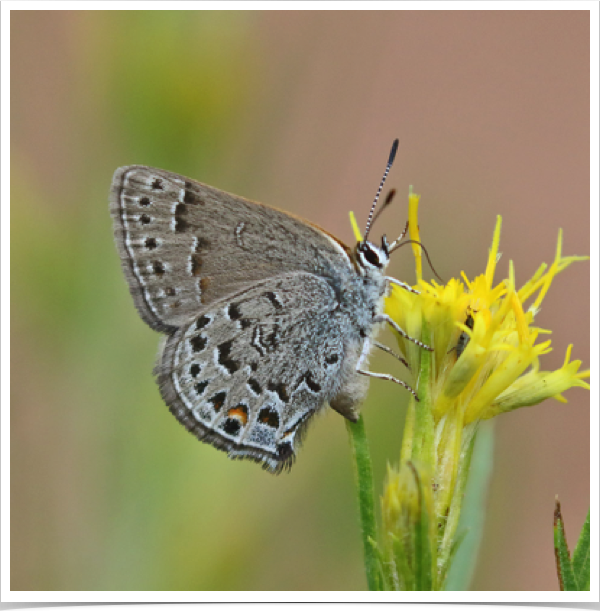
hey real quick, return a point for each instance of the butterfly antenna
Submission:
(387, 171)
(388, 200)
(398, 244)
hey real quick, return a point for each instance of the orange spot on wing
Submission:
(240, 412)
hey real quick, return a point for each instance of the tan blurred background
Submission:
(298, 110)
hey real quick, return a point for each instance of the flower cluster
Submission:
(485, 360)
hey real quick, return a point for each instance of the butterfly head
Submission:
(372, 259)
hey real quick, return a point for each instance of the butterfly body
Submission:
(267, 316)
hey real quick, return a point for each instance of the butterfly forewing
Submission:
(184, 244)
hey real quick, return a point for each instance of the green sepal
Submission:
(387, 579)
(403, 561)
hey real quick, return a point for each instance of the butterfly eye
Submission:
(370, 255)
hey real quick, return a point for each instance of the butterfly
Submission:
(267, 317)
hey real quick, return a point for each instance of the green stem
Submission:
(366, 503)
(423, 444)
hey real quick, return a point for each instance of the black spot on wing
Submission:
(310, 382)
(202, 322)
(190, 197)
(254, 386)
(232, 426)
(198, 343)
(201, 244)
(269, 416)
(281, 391)
(201, 387)
(158, 268)
(272, 297)
(225, 357)
(218, 400)
(195, 264)
(181, 225)
(233, 311)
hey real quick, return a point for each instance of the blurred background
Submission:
(297, 110)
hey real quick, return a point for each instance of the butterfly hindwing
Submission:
(250, 371)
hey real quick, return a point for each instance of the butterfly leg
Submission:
(387, 376)
(390, 351)
(381, 376)
(402, 285)
(404, 334)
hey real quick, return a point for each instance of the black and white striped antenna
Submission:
(385, 174)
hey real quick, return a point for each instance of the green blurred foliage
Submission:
(108, 490)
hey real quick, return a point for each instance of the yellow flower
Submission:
(483, 338)
(485, 360)
(485, 357)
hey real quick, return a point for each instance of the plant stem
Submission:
(364, 483)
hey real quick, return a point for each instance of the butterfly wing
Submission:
(248, 373)
(184, 245)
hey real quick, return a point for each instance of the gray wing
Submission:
(251, 370)
(183, 245)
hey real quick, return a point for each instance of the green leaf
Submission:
(564, 568)
(581, 557)
(458, 539)
(463, 554)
